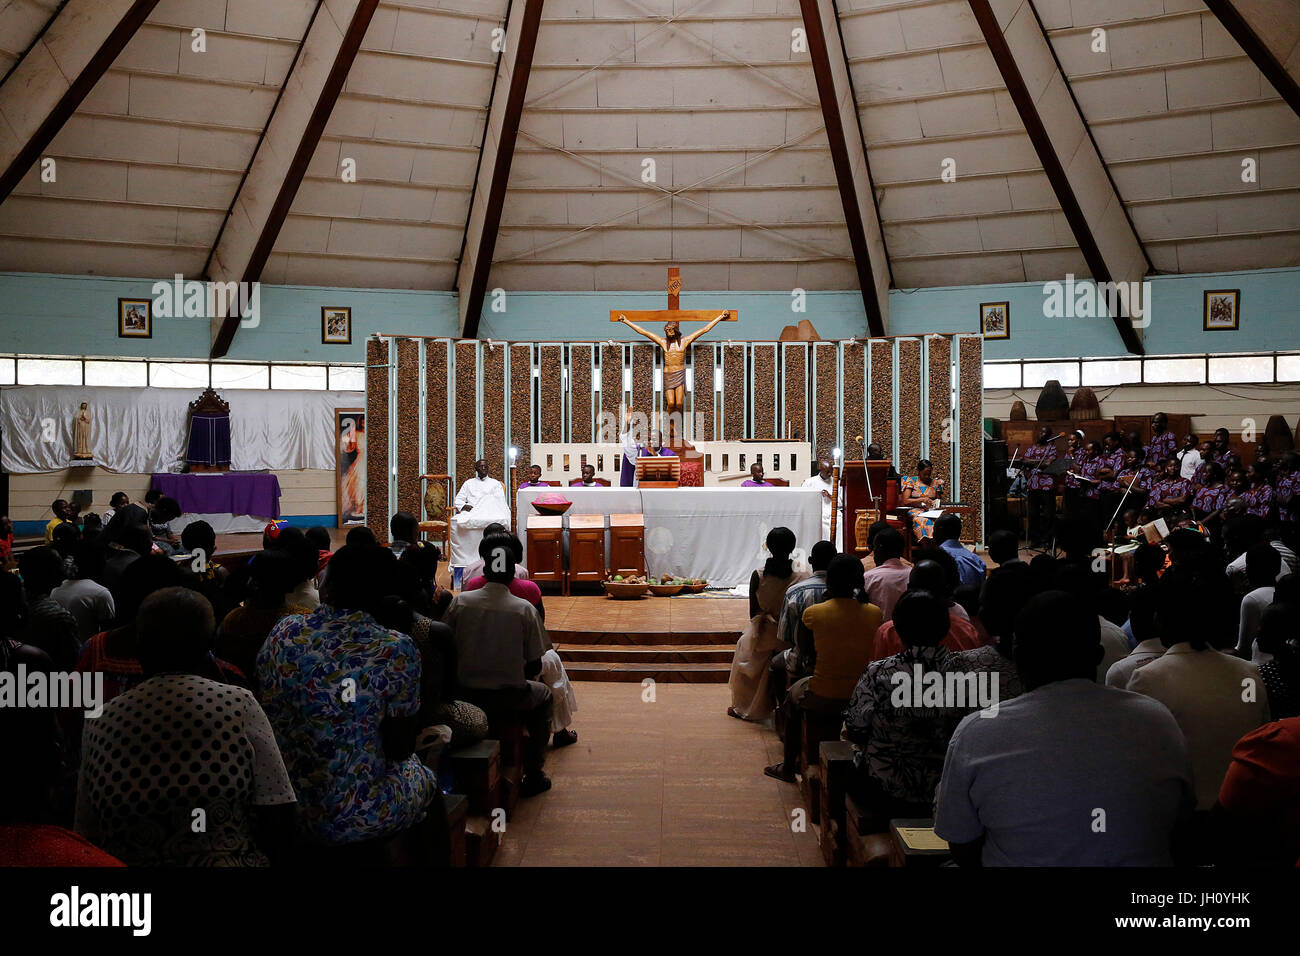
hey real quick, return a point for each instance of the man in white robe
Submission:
(823, 483)
(480, 502)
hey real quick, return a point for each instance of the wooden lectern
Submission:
(868, 496)
(659, 471)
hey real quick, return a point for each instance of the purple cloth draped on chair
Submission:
(209, 442)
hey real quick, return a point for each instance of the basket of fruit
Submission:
(667, 586)
(552, 504)
(625, 586)
(695, 586)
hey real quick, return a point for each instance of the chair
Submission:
(438, 510)
(779, 482)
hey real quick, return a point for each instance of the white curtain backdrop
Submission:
(142, 430)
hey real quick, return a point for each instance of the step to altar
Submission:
(679, 641)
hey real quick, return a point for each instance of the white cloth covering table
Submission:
(711, 533)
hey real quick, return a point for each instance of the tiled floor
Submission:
(673, 782)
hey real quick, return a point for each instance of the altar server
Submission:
(822, 482)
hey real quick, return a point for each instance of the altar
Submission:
(711, 533)
(229, 501)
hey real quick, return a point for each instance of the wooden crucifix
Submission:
(674, 345)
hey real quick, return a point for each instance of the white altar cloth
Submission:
(711, 533)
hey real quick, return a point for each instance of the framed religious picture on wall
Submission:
(1221, 310)
(350, 465)
(335, 326)
(995, 320)
(134, 319)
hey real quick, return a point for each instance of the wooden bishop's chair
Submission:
(438, 510)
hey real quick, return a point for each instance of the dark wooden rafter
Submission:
(493, 176)
(854, 191)
(1051, 162)
(1254, 47)
(346, 54)
(78, 89)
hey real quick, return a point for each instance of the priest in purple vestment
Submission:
(632, 450)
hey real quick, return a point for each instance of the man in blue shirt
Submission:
(970, 566)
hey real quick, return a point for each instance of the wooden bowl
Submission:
(665, 590)
(623, 591)
(552, 509)
(694, 588)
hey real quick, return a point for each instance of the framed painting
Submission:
(134, 319)
(995, 320)
(335, 326)
(1221, 310)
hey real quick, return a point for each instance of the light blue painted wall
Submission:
(76, 315)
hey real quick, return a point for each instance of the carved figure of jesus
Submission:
(674, 346)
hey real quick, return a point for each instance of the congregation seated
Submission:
(750, 673)
(936, 575)
(137, 801)
(885, 582)
(475, 570)
(842, 630)
(1201, 687)
(499, 646)
(303, 561)
(403, 531)
(244, 630)
(48, 626)
(552, 673)
(899, 737)
(1006, 591)
(199, 564)
(799, 653)
(342, 693)
(1134, 765)
(971, 569)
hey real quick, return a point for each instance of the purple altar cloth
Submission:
(221, 494)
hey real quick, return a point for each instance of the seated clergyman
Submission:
(755, 479)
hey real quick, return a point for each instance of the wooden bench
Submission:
(481, 841)
(836, 767)
(814, 728)
(457, 805)
(862, 847)
(477, 769)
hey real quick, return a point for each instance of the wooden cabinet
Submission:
(586, 549)
(627, 544)
(546, 548)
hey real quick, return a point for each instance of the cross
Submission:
(674, 312)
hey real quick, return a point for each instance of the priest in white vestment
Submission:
(822, 482)
(480, 502)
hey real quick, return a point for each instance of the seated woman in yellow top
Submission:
(920, 494)
(843, 629)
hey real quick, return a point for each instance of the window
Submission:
(1174, 370)
(1241, 368)
(1288, 368)
(1002, 375)
(49, 371)
(299, 376)
(178, 374)
(1119, 372)
(1038, 374)
(121, 374)
(347, 379)
(233, 375)
(7, 374)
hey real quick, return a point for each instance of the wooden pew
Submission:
(836, 767)
(457, 805)
(477, 769)
(902, 851)
(862, 847)
(814, 728)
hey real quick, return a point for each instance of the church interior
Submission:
(687, 359)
